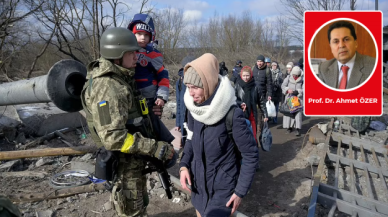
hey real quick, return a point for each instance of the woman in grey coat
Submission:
(293, 85)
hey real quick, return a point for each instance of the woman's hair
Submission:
(246, 69)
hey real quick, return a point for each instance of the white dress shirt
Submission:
(349, 64)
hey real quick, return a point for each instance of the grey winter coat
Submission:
(298, 85)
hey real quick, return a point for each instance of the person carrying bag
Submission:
(292, 107)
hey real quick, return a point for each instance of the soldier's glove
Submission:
(158, 110)
(295, 93)
(164, 151)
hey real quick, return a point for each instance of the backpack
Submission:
(266, 140)
(229, 129)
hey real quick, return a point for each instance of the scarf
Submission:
(223, 99)
(296, 77)
(247, 88)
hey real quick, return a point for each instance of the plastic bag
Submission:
(271, 110)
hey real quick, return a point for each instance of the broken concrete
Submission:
(43, 161)
(46, 213)
(314, 159)
(44, 118)
(10, 117)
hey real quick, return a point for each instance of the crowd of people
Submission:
(123, 98)
(210, 167)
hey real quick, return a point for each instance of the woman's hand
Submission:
(184, 175)
(265, 119)
(177, 129)
(236, 200)
(243, 106)
(290, 91)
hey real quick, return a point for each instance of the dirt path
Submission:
(280, 188)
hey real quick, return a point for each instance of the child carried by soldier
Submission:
(150, 75)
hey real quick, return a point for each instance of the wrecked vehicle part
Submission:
(62, 85)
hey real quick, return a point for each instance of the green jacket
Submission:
(110, 105)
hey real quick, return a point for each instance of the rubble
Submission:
(75, 165)
(8, 165)
(46, 213)
(43, 161)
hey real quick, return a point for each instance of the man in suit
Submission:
(348, 68)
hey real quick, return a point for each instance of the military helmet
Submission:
(116, 41)
(267, 60)
(238, 62)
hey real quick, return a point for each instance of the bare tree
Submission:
(12, 18)
(296, 9)
(80, 23)
(353, 4)
(169, 25)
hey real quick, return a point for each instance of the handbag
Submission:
(285, 110)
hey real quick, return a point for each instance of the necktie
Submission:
(344, 78)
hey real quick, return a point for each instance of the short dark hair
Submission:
(341, 24)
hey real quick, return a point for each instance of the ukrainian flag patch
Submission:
(101, 104)
(104, 113)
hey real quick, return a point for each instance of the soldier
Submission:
(268, 62)
(118, 120)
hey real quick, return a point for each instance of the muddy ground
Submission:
(280, 188)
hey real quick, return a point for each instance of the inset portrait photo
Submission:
(343, 54)
(343, 63)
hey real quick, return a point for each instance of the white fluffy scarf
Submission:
(223, 99)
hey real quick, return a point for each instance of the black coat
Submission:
(236, 73)
(263, 80)
(277, 79)
(256, 99)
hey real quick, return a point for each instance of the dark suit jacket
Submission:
(363, 67)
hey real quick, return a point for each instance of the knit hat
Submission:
(192, 77)
(142, 27)
(290, 65)
(208, 70)
(260, 57)
(296, 71)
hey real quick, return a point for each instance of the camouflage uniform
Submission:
(130, 189)
(110, 103)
